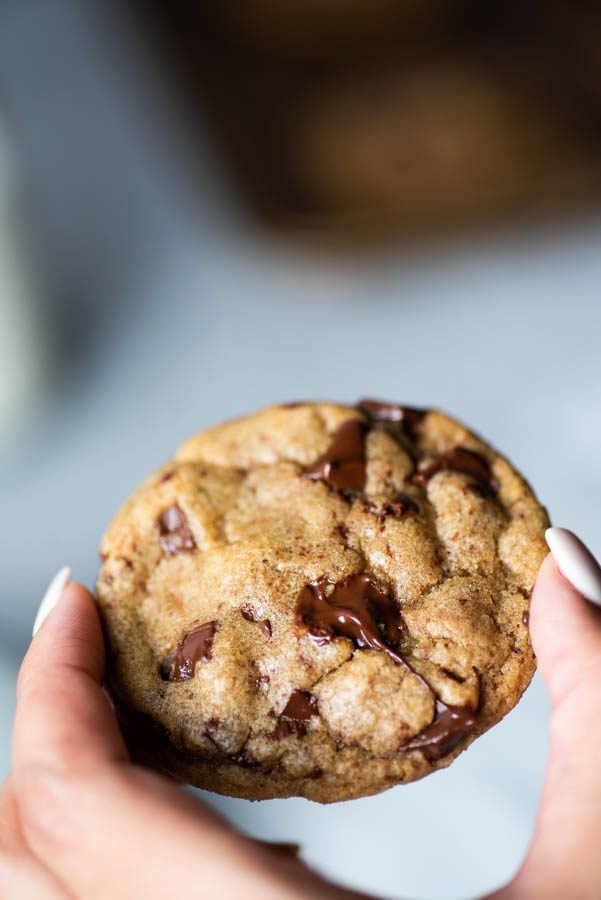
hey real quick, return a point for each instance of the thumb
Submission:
(565, 628)
(563, 860)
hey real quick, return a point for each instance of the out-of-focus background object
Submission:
(168, 306)
(22, 353)
(397, 117)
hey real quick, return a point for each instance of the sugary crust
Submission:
(259, 530)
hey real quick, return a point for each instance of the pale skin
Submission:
(79, 820)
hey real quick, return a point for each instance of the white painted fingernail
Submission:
(575, 562)
(52, 596)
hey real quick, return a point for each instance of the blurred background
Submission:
(206, 208)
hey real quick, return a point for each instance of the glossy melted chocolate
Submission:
(451, 724)
(460, 459)
(357, 608)
(342, 466)
(195, 648)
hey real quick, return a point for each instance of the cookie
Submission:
(320, 600)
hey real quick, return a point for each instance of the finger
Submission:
(63, 718)
(104, 827)
(566, 632)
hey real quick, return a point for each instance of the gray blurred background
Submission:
(141, 299)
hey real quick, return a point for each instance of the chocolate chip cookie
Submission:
(320, 600)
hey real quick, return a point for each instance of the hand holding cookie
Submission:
(78, 819)
(356, 578)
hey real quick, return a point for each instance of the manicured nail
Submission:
(575, 562)
(52, 596)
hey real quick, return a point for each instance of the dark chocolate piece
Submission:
(250, 614)
(408, 418)
(400, 507)
(460, 459)
(526, 618)
(286, 727)
(195, 648)
(174, 532)
(357, 608)
(451, 724)
(342, 466)
(301, 705)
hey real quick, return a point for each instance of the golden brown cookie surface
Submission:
(320, 600)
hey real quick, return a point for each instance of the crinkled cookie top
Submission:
(320, 600)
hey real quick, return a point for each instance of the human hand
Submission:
(78, 819)
(564, 860)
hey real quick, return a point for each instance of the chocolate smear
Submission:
(250, 614)
(174, 532)
(360, 609)
(342, 466)
(451, 724)
(357, 608)
(460, 459)
(195, 648)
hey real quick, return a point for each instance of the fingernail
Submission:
(575, 562)
(52, 596)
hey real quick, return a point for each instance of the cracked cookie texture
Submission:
(320, 600)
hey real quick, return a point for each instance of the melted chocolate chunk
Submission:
(195, 648)
(299, 709)
(342, 466)
(526, 618)
(174, 532)
(301, 705)
(451, 724)
(250, 614)
(407, 418)
(400, 507)
(460, 459)
(357, 608)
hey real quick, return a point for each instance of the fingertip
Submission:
(576, 562)
(69, 630)
(53, 594)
